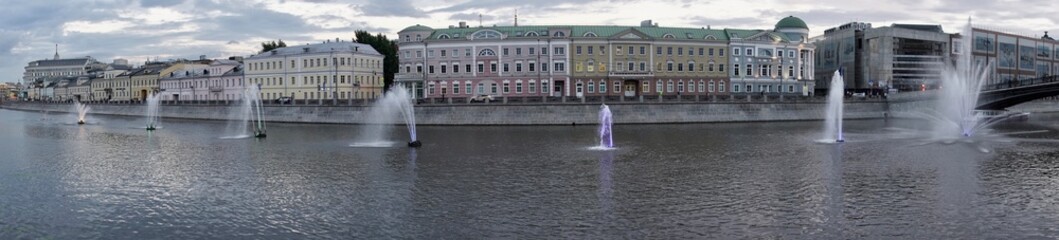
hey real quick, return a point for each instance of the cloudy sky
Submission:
(167, 29)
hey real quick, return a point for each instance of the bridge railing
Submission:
(1021, 83)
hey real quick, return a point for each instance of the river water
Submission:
(110, 180)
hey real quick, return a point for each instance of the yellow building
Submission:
(330, 70)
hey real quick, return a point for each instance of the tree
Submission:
(269, 46)
(387, 48)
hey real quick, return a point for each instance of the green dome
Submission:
(791, 22)
(417, 28)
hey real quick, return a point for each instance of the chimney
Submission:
(645, 23)
(463, 24)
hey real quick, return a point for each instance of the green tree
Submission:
(269, 46)
(386, 47)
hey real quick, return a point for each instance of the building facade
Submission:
(905, 57)
(329, 70)
(463, 61)
(1012, 58)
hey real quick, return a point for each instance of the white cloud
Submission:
(106, 26)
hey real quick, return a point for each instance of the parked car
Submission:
(482, 98)
(283, 100)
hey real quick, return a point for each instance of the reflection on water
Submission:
(755, 180)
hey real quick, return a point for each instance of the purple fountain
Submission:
(606, 137)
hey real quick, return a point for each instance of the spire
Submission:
(56, 51)
(516, 17)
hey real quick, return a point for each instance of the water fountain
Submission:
(959, 88)
(606, 136)
(248, 112)
(82, 110)
(152, 111)
(381, 117)
(833, 119)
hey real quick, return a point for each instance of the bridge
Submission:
(1003, 95)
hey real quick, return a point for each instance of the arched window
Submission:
(721, 86)
(668, 36)
(691, 86)
(443, 36)
(486, 52)
(669, 86)
(532, 34)
(486, 34)
(710, 37)
(407, 38)
(591, 86)
(658, 86)
(691, 66)
(712, 88)
(419, 37)
(680, 86)
(559, 34)
(590, 34)
(603, 86)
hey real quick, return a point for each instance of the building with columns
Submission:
(329, 70)
(561, 60)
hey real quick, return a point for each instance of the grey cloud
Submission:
(743, 22)
(470, 17)
(390, 8)
(159, 3)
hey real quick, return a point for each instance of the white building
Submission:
(329, 70)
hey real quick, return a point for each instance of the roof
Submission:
(61, 62)
(919, 27)
(320, 47)
(236, 71)
(580, 31)
(791, 22)
(416, 28)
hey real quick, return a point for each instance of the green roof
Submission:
(417, 28)
(791, 22)
(579, 31)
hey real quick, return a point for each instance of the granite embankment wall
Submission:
(506, 114)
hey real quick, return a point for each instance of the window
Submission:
(632, 66)
(669, 86)
(578, 49)
(590, 34)
(507, 88)
(506, 68)
(560, 67)
(691, 86)
(492, 67)
(680, 86)
(456, 68)
(669, 50)
(544, 87)
(486, 52)
(468, 68)
(518, 67)
(591, 86)
(680, 67)
(643, 50)
(721, 86)
(481, 88)
(749, 70)
(645, 87)
(750, 52)
(701, 49)
(790, 88)
(442, 54)
(481, 67)
(720, 67)
(668, 36)
(505, 51)
(532, 67)
(431, 71)
(492, 88)
(558, 50)
(602, 86)
(691, 66)
(518, 87)
(559, 34)
(735, 88)
(430, 89)
(643, 66)
(669, 66)
(736, 72)
(468, 86)
(532, 86)
(658, 86)
(485, 34)
(790, 71)
(443, 67)
(658, 51)
(720, 52)
(711, 86)
(590, 50)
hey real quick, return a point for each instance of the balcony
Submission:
(216, 89)
(631, 74)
